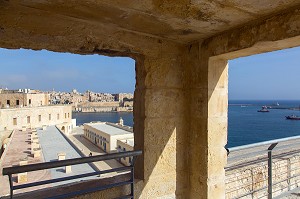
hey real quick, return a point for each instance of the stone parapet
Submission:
(252, 181)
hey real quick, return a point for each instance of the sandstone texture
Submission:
(181, 49)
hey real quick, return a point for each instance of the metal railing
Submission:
(49, 165)
(267, 175)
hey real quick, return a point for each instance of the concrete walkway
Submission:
(293, 194)
(52, 142)
(85, 146)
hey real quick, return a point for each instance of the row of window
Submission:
(15, 122)
(18, 102)
(124, 158)
(98, 140)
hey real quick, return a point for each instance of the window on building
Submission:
(41, 103)
(57, 116)
(29, 101)
(8, 102)
(49, 116)
(65, 115)
(40, 118)
(28, 119)
(17, 102)
(68, 115)
(15, 121)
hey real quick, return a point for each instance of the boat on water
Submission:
(292, 117)
(263, 110)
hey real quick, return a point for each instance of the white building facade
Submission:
(105, 135)
(34, 117)
(125, 145)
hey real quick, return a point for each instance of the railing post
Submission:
(252, 179)
(289, 173)
(271, 147)
(10, 185)
(132, 181)
(132, 177)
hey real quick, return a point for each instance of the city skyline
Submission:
(267, 76)
(46, 70)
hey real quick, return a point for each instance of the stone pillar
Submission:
(160, 126)
(36, 152)
(22, 177)
(68, 169)
(61, 156)
(208, 81)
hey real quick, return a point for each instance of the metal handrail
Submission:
(268, 165)
(49, 165)
(237, 148)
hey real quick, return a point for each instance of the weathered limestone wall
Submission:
(246, 179)
(274, 33)
(160, 125)
(37, 99)
(180, 100)
(7, 116)
(208, 80)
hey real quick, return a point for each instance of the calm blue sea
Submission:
(245, 124)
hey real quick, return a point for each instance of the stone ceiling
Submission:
(181, 21)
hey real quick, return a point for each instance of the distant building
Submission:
(105, 135)
(121, 97)
(34, 117)
(23, 98)
(125, 145)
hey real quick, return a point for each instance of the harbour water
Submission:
(245, 124)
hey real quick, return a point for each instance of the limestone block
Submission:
(68, 169)
(218, 74)
(44, 127)
(218, 103)
(61, 156)
(22, 177)
(24, 128)
(23, 162)
(217, 131)
(164, 72)
(36, 153)
(164, 103)
(198, 101)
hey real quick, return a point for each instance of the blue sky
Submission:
(45, 70)
(274, 75)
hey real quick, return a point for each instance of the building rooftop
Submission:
(129, 141)
(109, 129)
(53, 142)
